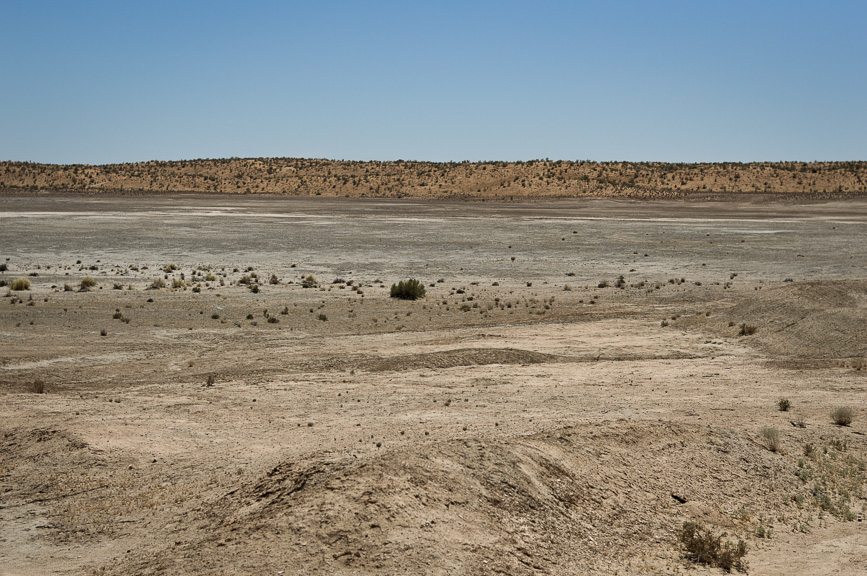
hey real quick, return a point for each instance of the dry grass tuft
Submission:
(771, 439)
(704, 547)
(842, 416)
(20, 284)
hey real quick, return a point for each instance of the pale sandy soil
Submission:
(504, 424)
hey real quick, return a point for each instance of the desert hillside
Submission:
(452, 180)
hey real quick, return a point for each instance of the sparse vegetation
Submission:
(746, 329)
(704, 547)
(158, 284)
(20, 284)
(837, 477)
(783, 404)
(771, 439)
(411, 289)
(842, 416)
(87, 283)
(314, 177)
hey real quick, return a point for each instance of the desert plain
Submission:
(237, 392)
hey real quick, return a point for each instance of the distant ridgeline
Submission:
(447, 180)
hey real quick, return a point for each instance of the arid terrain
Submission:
(235, 392)
(486, 181)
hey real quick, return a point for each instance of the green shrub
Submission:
(705, 548)
(410, 289)
(20, 284)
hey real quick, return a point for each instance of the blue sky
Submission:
(103, 82)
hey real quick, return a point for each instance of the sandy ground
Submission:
(519, 419)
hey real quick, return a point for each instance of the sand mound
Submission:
(813, 320)
(559, 502)
(461, 357)
(429, 360)
(59, 457)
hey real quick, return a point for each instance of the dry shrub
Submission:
(87, 283)
(771, 438)
(20, 284)
(704, 547)
(783, 404)
(38, 387)
(747, 329)
(842, 416)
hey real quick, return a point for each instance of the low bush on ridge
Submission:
(411, 289)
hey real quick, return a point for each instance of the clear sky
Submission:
(103, 82)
